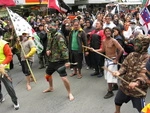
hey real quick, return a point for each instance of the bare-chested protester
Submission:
(113, 50)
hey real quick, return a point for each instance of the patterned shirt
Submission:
(131, 68)
(58, 47)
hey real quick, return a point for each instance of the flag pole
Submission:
(100, 54)
(47, 10)
(60, 10)
(25, 55)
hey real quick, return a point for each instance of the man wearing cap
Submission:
(133, 70)
(136, 28)
(5, 58)
(27, 52)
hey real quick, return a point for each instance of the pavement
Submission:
(88, 92)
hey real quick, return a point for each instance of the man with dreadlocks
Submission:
(133, 70)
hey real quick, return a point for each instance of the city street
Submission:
(88, 92)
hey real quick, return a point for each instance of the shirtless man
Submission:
(113, 50)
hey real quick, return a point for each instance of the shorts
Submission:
(76, 57)
(137, 103)
(54, 66)
(25, 68)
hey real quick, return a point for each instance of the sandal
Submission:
(73, 74)
(48, 90)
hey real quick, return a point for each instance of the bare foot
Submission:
(71, 97)
(79, 76)
(28, 87)
(73, 74)
(31, 79)
(48, 90)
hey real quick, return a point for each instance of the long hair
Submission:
(119, 32)
(108, 29)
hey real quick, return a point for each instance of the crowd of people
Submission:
(71, 38)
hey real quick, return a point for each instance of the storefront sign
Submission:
(28, 2)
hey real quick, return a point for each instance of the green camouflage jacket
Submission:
(12, 43)
(7, 35)
(58, 47)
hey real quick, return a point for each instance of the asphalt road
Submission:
(88, 92)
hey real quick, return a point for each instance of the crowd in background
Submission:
(124, 26)
(77, 37)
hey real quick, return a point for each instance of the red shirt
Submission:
(100, 33)
(8, 54)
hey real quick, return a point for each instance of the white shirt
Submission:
(111, 25)
(94, 23)
(127, 33)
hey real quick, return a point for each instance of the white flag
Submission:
(22, 26)
(115, 10)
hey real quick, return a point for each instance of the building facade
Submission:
(105, 1)
(74, 2)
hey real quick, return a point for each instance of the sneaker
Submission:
(94, 74)
(41, 67)
(16, 107)
(100, 75)
(87, 68)
(108, 95)
(2, 100)
(19, 64)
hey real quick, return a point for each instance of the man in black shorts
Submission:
(133, 70)
(58, 57)
(29, 48)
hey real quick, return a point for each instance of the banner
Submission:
(7, 3)
(28, 2)
(22, 26)
(59, 5)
